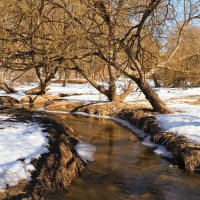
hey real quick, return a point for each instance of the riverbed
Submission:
(124, 168)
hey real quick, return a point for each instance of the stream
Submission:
(124, 169)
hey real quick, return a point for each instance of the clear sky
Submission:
(179, 5)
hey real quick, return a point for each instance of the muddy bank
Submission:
(56, 169)
(8, 101)
(185, 153)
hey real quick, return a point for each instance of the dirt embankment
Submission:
(185, 153)
(54, 170)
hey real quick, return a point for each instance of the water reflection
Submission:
(125, 169)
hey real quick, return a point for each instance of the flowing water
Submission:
(124, 168)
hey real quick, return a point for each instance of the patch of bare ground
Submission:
(8, 101)
(54, 170)
(112, 109)
(39, 99)
(77, 81)
(62, 105)
(196, 102)
(186, 99)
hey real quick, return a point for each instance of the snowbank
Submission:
(181, 124)
(19, 143)
(186, 123)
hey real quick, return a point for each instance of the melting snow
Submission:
(181, 124)
(85, 150)
(161, 150)
(186, 123)
(19, 143)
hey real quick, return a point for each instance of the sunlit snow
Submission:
(19, 143)
(185, 121)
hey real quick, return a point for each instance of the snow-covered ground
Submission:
(19, 143)
(16, 144)
(185, 120)
(20, 91)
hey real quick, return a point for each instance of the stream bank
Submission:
(55, 170)
(185, 154)
(123, 168)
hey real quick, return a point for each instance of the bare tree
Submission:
(122, 25)
(83, 56)
(175, 49)
(183, 69)
(34, 33)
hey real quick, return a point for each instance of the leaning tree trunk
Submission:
(152, 97)
(7, 88)
(110, 93)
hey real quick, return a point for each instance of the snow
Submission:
(85, 150)
(19, 143)
(20, 91)
(56, 88)
(185, 120)
(87, 98)
(147, 142)
(181, 124)
(161, 150)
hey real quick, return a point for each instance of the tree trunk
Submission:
(39, 90)
(152, 97)
(156, 82)
(113, 97)
(112, 94)
(7, 88)
(67, 74)
(43, 88)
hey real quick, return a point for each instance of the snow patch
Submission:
(147, 142)
(85, 150)
(19, 143)
(161, 150)
(181, 124)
